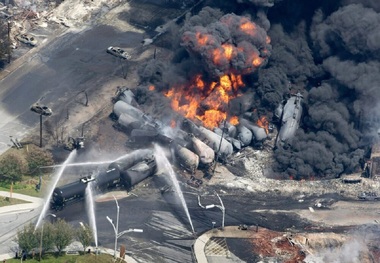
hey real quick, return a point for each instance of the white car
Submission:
(27, 39)
(118, 52)
(41, 109)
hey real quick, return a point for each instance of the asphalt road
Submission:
(168, 235)
(56, 72)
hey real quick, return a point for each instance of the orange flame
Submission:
(263, 123)
(226, 52)
(234, 120)
(209, 102)
(212, 118)
(248, 27)
(151, 88)
(257, 61)
(202, 39)
(173, 124)
(205, 102)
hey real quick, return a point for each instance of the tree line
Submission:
(53, 237)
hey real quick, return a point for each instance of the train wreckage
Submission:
(196, 145)
(290, 119)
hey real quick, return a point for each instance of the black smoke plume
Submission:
(243, 40)
(327, 50)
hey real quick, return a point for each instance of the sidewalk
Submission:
(34, 202)
(228, 232)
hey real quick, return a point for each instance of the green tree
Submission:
(48, 236)
(85, 236)
(27, 238)
(12, 166)
(63, 234)
(38, 157)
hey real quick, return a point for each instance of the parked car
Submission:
(41, 109)
(118, 52)
(368, 196)
(27, 39)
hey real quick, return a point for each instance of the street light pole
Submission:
(42, 231)
(221, 207)
(116, 228)
(40, 130)
(9, 40)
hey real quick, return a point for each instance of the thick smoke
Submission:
(233, 44)
(262, 3)
(328, 51)
(360, 246)
(344, 46)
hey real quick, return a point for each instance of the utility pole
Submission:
(9, 40)
(40, 130)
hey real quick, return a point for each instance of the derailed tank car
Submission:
(127, 170)
(69, 193)
(108, 179)
(138, 172)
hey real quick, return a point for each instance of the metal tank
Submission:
(107, 179)
(258, 132)
(291, 118)
(186, 158)
(121, 107)
(138, 172)
(130, 159)
(68, 193)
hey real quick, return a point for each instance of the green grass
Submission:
(23, 189)
(28, 186)
(86, 258)
(5, 201)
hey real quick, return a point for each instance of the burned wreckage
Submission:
(197, 147)
(290, 116)
(193, 145)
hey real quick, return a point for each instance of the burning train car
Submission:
(127, 171)
(290, 120)
(200, 146)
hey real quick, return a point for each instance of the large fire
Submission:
(263, 123)
(206, 102)
(242, 48)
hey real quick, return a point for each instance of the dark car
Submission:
(118, 52)
(41, 109)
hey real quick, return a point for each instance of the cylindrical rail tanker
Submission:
(127, 170)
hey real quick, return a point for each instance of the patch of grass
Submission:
(23, 187)
(28, 186)
(5, 201)
(53, 258)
